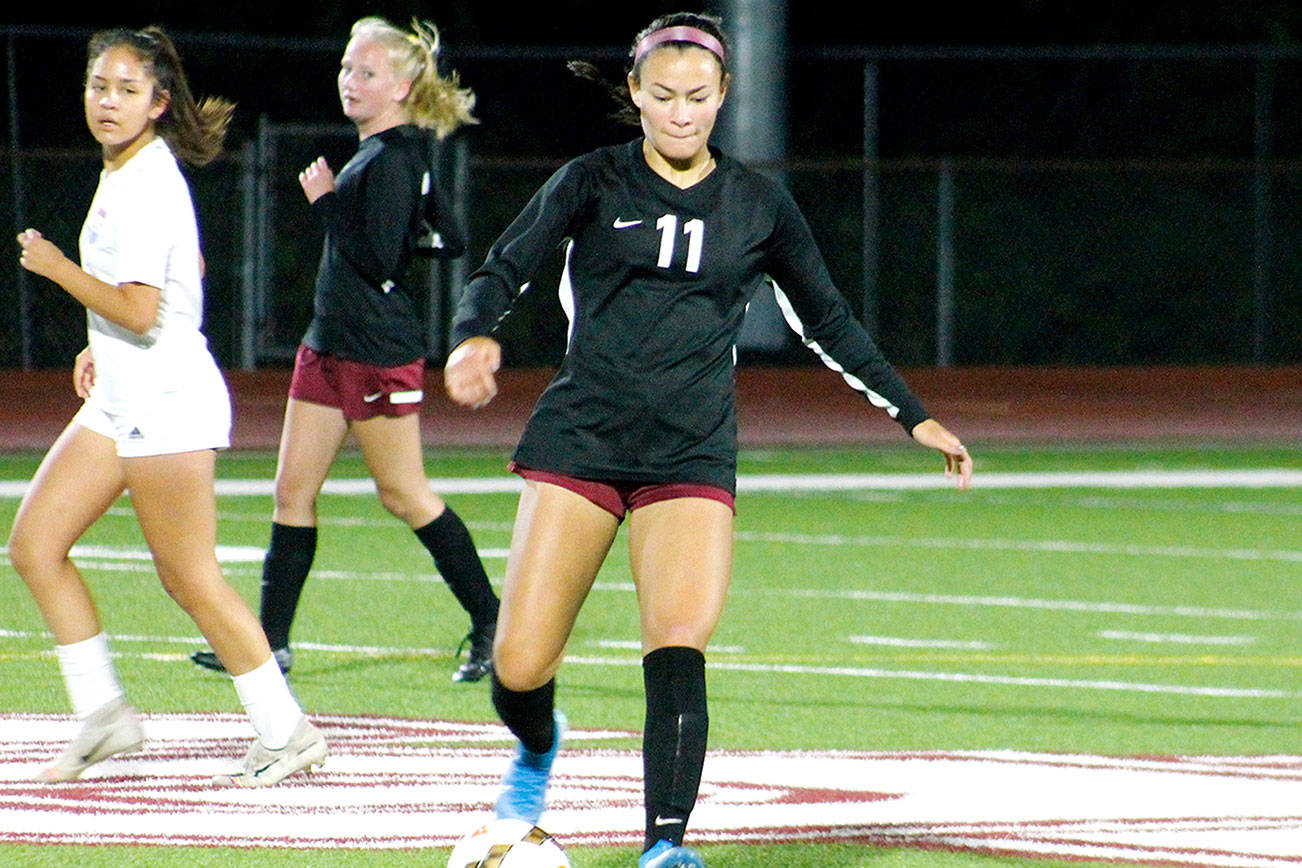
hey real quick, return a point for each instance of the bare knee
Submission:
(20, 553)
(394, 502)
(189, 583)
(30, 556)
(174, 584)
(679, 635)
(408, 505)
(294, 505)
(687, 629)
(519, 670)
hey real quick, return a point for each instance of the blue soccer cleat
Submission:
(665, 855)
(524, 786)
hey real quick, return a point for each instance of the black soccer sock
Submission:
(529, 714)
(673, 742)
(455, 557)
(284, 570)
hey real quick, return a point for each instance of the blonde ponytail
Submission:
(435, 102)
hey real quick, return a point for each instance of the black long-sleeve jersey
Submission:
(364, 307)
(655, 284)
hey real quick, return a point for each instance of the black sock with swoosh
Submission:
(674, 739)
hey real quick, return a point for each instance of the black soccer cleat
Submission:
(208, 660)
(480, 661)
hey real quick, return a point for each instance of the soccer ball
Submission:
(508, 844)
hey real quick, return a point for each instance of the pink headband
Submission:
(694, 35)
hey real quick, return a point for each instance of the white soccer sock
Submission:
(272, 708)
(88, 674)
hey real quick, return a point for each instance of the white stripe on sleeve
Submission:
(793, 321)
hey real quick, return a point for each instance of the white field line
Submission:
(897, 642)
(1112, 479)
(1168, 503)
(868, 673)
(225, 554)
(1097, 607)
(127, 560)
(1279, 478)
(1175, 638)
(196, 641)
(134, 564)
(1010, 680)
(634, 645)
(237, 554)
(141, 565)
(1072, 547)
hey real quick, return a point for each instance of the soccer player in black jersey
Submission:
(360, 368)
(664, 238)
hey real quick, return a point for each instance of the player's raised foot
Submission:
(480, 661)
(112, 729)
(665, 855)
(524, 786)
(208, 660)
(264, 767)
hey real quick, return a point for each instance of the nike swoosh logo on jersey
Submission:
(371, 399)
(624, 224)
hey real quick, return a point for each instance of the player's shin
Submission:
(674, 739)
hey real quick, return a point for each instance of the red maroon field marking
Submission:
(412, 783)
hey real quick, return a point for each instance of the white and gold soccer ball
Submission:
(508, 844)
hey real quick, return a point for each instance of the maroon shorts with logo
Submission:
(361, 391)
(618, 497)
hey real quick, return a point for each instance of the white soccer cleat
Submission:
(264, 767)
(112, 729)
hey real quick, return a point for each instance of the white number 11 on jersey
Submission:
(695, 232)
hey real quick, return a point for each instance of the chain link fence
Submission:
(988, 208)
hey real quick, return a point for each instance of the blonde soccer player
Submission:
(360, 368)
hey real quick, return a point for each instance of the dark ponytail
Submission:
(194, 132)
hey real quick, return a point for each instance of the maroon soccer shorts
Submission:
(619, 498)
(360, 390)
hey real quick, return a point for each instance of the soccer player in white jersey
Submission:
(156, 411)
(665, 238)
